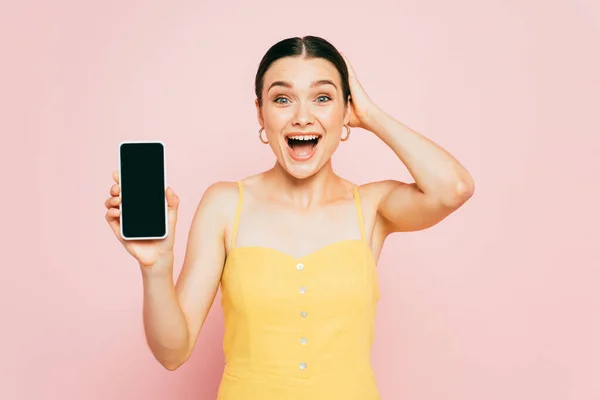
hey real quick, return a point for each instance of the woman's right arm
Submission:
(174, 313)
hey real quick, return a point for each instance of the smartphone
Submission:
(142, 177)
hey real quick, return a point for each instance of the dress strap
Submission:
(238, 212)
(359, 212)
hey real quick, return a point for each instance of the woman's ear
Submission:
(258, 113)
(348, 112)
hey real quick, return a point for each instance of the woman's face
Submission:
(303, 113)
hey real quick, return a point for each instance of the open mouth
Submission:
(302, 147)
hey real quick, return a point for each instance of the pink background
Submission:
(498, 302)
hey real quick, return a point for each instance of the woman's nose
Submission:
(303, 115)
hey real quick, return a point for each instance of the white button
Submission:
(303, 341)
(300, 266)
(302, 290)
(302, 365)
(303, 314)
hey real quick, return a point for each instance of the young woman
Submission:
(294, 248)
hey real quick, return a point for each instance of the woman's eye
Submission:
(283, 100)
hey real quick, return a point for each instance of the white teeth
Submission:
(304, 137)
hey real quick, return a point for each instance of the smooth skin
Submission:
(295, 207)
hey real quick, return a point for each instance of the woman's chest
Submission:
(337, 276)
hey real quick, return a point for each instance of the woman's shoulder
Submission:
(368, 189)
(378, 188)
(219, 197)
(221, 190)
(224, 194)
(372, 193)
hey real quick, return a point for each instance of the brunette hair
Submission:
(308, 47)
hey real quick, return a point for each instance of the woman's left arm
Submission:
(441, 185)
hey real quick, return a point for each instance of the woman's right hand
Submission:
(155, 255)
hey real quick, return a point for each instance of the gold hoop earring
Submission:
(348, 135)
(260, 136)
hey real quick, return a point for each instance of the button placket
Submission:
(302, 300)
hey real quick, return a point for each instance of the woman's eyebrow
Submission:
(319, 82)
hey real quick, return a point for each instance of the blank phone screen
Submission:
(142, 183)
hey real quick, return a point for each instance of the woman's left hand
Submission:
(362, 107)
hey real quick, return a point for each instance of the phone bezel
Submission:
(125, 142)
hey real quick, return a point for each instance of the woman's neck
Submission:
(321, 188)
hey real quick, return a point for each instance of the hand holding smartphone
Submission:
(142, 210)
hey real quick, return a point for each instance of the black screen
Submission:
(142, 190)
